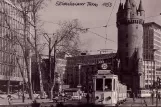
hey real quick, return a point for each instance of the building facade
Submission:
(80, 69)
(130, 20)
(152, 52)
(10, 21)
(59, 72)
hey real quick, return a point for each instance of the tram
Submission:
(107, 89)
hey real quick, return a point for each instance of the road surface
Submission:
(141, 102)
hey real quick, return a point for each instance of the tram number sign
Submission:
(104, 66)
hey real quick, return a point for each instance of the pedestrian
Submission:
(87, 97)
(152, 96)
(9, 99)
(133, 97)
(159, 96)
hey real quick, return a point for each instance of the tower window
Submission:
(126, 35)
(136, 26)
(126, 44)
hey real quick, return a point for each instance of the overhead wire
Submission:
(102, 36)
(96, 27)
(106, 27)
(115, 22)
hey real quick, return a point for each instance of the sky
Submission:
(94, 17)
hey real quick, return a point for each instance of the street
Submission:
(4, 101)
(140, 102)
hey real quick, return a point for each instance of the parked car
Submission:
(76, 97)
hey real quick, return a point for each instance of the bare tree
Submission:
(28, 11)
(66, 41)
(31, 8)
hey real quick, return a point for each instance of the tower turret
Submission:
(127, 5)
(141, 9)
(127, 9)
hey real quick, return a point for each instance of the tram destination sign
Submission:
(104, 72)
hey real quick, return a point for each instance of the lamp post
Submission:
(79, 67)
(79, 84)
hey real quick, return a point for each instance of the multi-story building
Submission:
(80, 69)
(152, 52)
(59, 72)
(10, 51)
(130, 20)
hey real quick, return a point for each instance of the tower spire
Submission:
(140, 6)
(119, 7)
(127, 5)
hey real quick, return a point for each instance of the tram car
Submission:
(107, 89)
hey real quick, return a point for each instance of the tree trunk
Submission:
(40, 77)
(53, 81)
(29, 79)
(51, 91)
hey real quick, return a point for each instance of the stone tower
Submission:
(130, 20)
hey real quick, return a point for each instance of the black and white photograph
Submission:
(80, 53)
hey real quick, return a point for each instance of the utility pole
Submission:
(79, 67)
(79, 84)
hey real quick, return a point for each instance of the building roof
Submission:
(107, 56)
(153, 23)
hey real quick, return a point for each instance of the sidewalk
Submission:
(19, 101)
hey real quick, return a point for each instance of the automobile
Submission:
(60, 99)
(37, 95)
(76, 97)
(68, 96)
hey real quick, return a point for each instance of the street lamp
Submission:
(79, 84)
(79, 70)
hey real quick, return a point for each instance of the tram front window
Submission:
(108, 85)
(99, 84)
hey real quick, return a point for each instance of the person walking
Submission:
(133, 97)
(9, 99)
(87, 97)
(159, 96)
(152, 97)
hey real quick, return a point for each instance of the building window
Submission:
(126, 44)
(126, 35)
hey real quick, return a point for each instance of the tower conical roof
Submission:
(127, 5)
(140, 6)
(119, 7)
